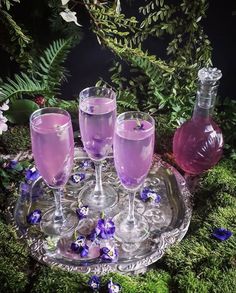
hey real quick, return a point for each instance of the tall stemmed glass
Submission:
(97, 114)
(53, 150)
(133, 152)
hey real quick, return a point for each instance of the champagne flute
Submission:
(133, 152)
(53, 151)
(97, 114)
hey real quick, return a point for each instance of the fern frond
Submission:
(21, 85)
(50, 67)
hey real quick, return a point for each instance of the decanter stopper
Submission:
(209, 75)
(208, 85)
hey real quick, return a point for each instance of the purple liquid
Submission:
(197, 145)
(133, 152)
(97, 121)
(53, 147)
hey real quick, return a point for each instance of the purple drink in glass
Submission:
(97, 121)
(53, 147)
(133, 152)
(53, 151)
(97, 114)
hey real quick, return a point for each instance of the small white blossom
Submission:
(64, 2)
(118, 7)
(5, 106)
(3, 125)
(69, 16)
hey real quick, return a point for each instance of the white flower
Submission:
(118, 7)
(64, 2)
(3, 125)
(5, 106)
(69, 16)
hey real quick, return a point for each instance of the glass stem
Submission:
(130, 218)
(98, 173)
(58, 216)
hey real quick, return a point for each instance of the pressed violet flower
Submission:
(34, 217)
(222, 234)
(77, 177)
(86, 164)
(94, 283)
(82, 212)
(113, 287)
(32, 174)
(105, 229)
(79, 246)
(109, 253)
(12, 164)
(149, 194)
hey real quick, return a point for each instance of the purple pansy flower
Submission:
(105, 229)
(34, 217)
(86, 164)
(149, 194)
(109, 253)
(12, 164)
(93, 237)
(222, 234)
(77, 177)
(32, 174)
(113, 287)
(82, 212)
(94, 282)
(79, 246)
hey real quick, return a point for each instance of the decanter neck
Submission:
(205, 100)
(207, 91)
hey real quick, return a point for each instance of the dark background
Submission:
(88, 61)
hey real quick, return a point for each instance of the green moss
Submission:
(14, 140)
(190, 283)
(51, 280)
(13, 261)
(222, 177)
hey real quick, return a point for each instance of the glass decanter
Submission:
(198, 142)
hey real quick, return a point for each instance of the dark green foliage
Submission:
(14, 140)
(16, 41)
(46, 78)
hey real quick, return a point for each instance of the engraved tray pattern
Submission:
(169, 219)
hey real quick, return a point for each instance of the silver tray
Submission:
(169, 219)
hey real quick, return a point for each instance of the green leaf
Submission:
(20, 111)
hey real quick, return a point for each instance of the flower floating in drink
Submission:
(133, 152)
(97, 114)
(53, 151)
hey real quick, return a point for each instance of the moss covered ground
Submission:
(199, 263)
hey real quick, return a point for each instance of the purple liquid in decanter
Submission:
(198, 143)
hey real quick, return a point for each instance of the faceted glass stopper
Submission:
(209, 74)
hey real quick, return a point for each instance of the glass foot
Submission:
(65, 228)
(98, 202)
(131, 233)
